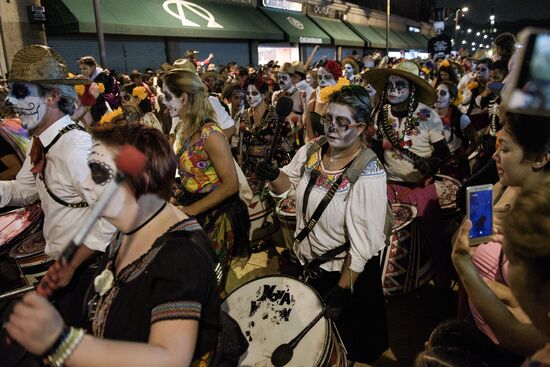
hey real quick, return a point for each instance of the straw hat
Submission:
(40, 64)
(287, 68)
(425, 93)
(299, 68)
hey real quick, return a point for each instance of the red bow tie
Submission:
(38, 158)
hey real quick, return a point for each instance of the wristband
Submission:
(64, 333)
(66, 347)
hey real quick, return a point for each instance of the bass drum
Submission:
(272, 310)
(286, 214)
(17, 224)
(29, 255)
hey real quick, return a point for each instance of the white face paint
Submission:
(172, 103)
(483, 71)
(285, 82)
(398, 89)
(27, 103)
(443, 97)
(103, 171)
(253, 96)
(325, 78)
(341, 128)
(348, 71)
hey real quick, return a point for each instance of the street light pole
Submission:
(464, 10)
(100, 36)
(388, 11)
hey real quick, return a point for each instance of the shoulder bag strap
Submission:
(57, 199)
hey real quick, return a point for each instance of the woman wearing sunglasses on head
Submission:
(349, 233)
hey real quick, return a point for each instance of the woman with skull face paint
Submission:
(327, 76)
(209, 188)
(154, 297)
(460, 134)
(350, 280)
(258, 127)
(411, 143)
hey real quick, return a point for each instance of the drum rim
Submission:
(12, 254)
(278, 209)
(414, 211)
(276, 276)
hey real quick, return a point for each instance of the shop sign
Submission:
(283, 4)
(176, 9)
(314, 40)
(323, 11)
(295, 22)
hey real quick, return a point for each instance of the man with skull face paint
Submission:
(351, 68)
(59, 177)
(411, 143)
(327, 76)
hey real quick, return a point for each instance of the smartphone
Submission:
(528, 91)
(495, 87)
(479, 205)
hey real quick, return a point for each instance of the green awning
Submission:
(338, 31)
(367, 33)
(421, 40)
(413, 42)
(298, 28)
(199, 19)
(396, 41)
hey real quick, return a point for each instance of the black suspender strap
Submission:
(57, 199)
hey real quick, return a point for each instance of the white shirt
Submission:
(223, 119)
(68, 177)
(398, 166)
(305, 87)
(456, 142)
(355, 213)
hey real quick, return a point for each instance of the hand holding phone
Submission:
(479, 204)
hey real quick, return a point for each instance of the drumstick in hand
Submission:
(130, 162)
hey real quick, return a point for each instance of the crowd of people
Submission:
(360, 133)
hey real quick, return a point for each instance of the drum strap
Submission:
(66, 129)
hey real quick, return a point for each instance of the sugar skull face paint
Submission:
(285, 82)
(173, 104)
(443, 97)
(348, 71)
(341, 128)
(325, 78)
(27, 102)
(253, 96)
(398, 89)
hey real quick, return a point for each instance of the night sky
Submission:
(505, 10)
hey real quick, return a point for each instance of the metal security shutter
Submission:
(73, 48)
(123, 54)
(224, 52)
(144, 53)
(328, 52)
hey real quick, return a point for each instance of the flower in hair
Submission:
(100, 88)
(326, 92)
(110, 116)
(473, 85)
(444, 64)
(140, 93)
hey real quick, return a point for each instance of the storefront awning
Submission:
(371, 37)
(415, 43)
(298, 28)
(341, 34)
(169, 18)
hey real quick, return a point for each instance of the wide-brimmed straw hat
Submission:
(41, 64)
(425, 93)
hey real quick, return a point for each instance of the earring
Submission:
(50, 98)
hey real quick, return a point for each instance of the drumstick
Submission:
(283, 109)
(16, 292)
(130, 162)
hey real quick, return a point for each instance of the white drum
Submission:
(272, 311)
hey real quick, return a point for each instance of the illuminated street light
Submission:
(473, 48)
(492, 22)
(465, 9)
(469, 30)
(463, 42)
(481, 45)
(478, 34)
(473, 43)
(484, 36)
(492, 17)
(457, 27)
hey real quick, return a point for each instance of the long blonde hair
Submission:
(197, 110)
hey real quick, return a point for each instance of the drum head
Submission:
(29, 246)
(447, 187)
(273, 310)
(287, 207)
(404, 215)
(17, 222)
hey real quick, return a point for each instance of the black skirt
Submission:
(362, 324)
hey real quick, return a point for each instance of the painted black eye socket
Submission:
(101, 172)
(19, 90)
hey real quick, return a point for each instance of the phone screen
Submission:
(481, 213)
(532, 91)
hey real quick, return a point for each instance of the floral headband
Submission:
(112, 116)
(326, 92)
